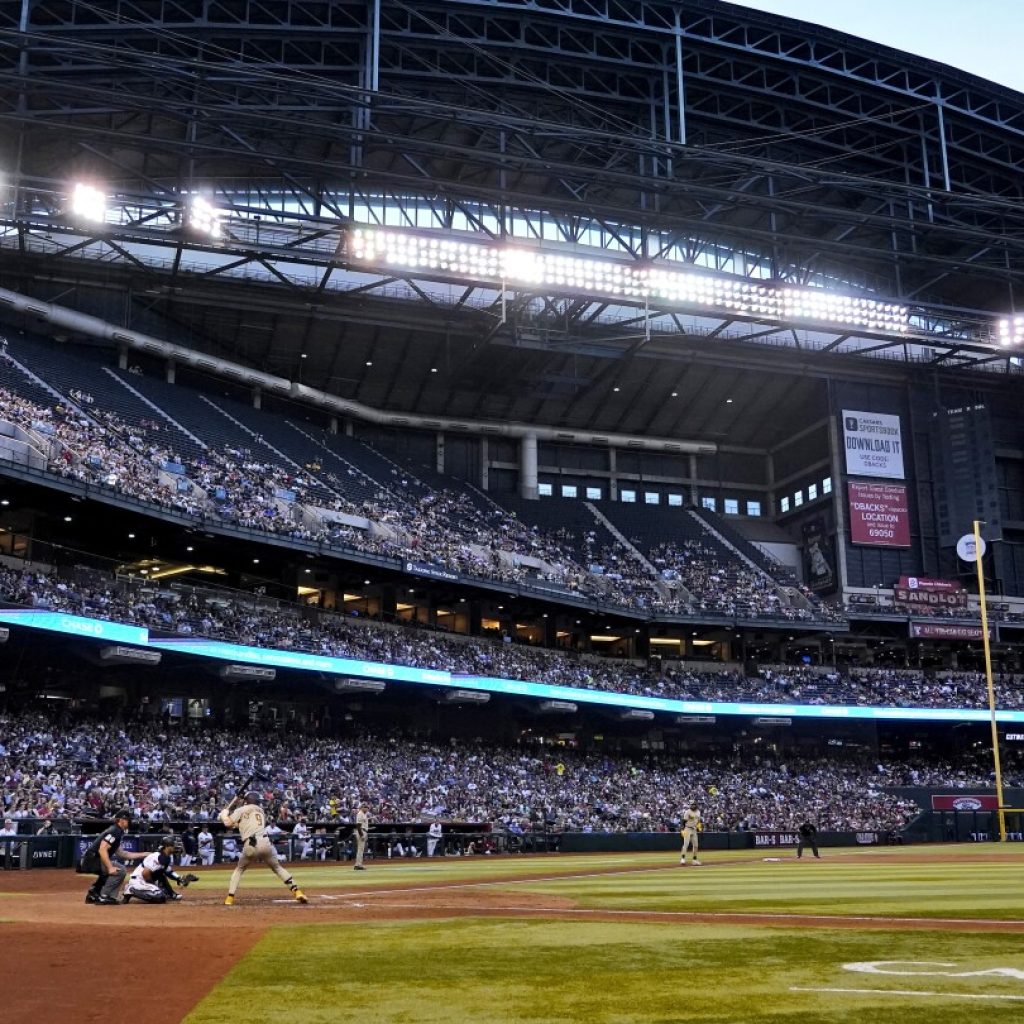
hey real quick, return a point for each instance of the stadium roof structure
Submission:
(236, 146)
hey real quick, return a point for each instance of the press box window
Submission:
(784, 504)
(826, 485)
(798, 498)
(731, 506)
(675, 500)
(544, 490)
(593, 494)
(753, 508)
(628, 496)
(650, 498)
(812, 492)
(569, 491)
(708, 503)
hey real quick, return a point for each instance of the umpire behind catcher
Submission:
(97, 861)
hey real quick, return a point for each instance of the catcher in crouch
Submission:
(248, 817)
(151, 881)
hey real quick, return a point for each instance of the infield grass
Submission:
(497, 971)
(490, 970)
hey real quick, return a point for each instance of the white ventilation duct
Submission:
(69, 319)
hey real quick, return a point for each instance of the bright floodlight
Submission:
(513, 265)
(1011, 331)
(204, 217)
(88, 203)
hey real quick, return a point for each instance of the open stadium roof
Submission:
(698, 135)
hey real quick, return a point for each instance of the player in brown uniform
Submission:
(691, 827)
(360, 833)
(248, 817)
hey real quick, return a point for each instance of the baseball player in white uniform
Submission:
(301, 839)
(206, 847)
(433, 837)
(247, 816)
(150, 882)
(691, 827)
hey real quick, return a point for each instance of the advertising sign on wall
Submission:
(819, 557)
(944, 631)
(964, 802)
(873, 443)
(879, 515)
(916, 594)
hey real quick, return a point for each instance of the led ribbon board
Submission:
(100, 629)
(75, 625)
(223, 651)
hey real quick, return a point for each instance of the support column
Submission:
(528, 467)
(439, 452)
(613, 476)
(485, 482)
(170, 371)
(680, 80)
(332, 426)
(693, 481)
(122, 358)
(257, 398)
(838, 492)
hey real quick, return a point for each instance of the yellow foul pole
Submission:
(988, 678)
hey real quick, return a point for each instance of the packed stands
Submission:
(224, 616)
(70, 767)
(216, 459)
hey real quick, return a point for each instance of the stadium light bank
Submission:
(642, 282)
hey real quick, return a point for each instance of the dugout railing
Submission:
(332, 842)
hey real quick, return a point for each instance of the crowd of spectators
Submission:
(164, 771)
(225, 615)
(442, 527)
(718, 586)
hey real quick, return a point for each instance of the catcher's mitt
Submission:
(186, 880)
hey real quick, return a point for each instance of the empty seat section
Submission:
(81, 375)
(344, 475)
(774, 569)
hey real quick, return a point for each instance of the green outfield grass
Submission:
(627, 971)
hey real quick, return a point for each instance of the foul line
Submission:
(907, 992)
(702, 915)
(695, 914)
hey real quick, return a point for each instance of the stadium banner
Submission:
(819, 556)
(926, 582)
(775, 839)
(929, 596)
(945, 631)
(434, 572)
(879, 515)
(962, 802)
(873, 443)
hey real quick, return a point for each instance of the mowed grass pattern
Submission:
(846, 885)
(625, 971)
